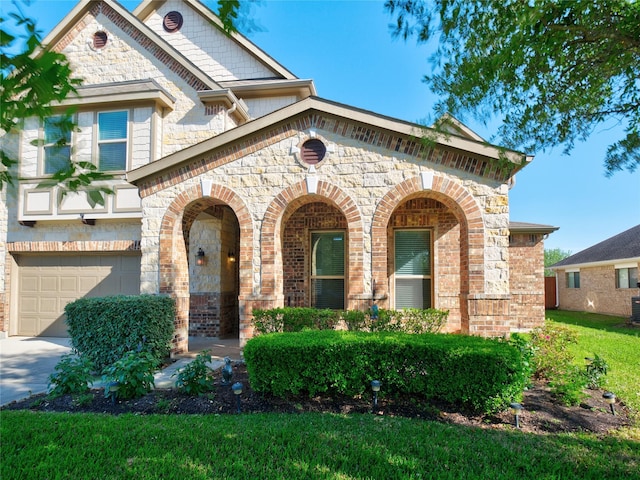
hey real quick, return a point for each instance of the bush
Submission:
(477, 373)
(133, 373)
(569, 385)
(550, 345)
(295, 319)
(103, 329)
(597, 369)
(72, 374)
(195, 377)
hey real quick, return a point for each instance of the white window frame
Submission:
(399, 276)
(571, 275)
(630, 282)
(126, 140)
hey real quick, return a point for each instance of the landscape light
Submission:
(516, 410)
(610, 398)
(237, 390)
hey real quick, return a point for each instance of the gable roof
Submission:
(476, 157)
(623, 246)
(64, 32)
(147, 7)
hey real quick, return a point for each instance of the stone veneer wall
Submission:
(597, 292)
(526, 275)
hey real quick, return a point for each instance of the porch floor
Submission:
(218, 348)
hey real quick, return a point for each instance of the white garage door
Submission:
(47, 283)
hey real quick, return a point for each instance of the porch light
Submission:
(231, 256)
(200, 257)
(375, 387)
(516, 410)
(237, 390)
(610, 398)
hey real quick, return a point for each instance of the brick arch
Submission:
(173, 259)
(281, 208)
(464, 207)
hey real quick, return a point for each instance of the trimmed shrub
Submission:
(103, 329)
(484, 375)
(295, 319)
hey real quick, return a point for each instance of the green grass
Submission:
(316, 446)
(289, 446)
(613, 340)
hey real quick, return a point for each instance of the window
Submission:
(573, 279)
(627, 277)
(112, 140)
(413, 269)
(327, 270)
(57, 144)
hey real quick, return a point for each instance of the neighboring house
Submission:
(238, 188)
(603, 278)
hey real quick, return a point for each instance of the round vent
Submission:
(100, 39)
(172, 21)
(312, 151)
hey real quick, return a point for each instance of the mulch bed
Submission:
(542, 413)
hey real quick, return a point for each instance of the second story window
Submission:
(57, 144)
(112, 140)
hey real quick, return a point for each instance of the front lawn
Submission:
(296, 446)
(614, 340)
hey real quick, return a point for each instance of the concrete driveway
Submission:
(26, 363)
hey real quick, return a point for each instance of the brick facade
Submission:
(597, 292)
(207, 180)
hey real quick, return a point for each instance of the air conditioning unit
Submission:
(635, 309)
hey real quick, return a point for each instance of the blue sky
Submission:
(346, 48)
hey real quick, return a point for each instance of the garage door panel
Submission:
(48, 283)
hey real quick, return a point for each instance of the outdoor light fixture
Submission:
(113, 388)
(375, 386)
(200, 257)
(237, 390)
(231, 255)
(610, 398)
(516, 410)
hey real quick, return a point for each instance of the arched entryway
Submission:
(299, 225)
(207, 295)
(441, 222)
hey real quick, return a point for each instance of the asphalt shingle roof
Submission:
(620, 246)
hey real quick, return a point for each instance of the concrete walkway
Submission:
(27, 362)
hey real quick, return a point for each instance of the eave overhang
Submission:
(312, 105)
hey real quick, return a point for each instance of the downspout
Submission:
(233, 108)
(557, 291)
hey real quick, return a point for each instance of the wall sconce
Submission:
(200, 257)
(231, 256)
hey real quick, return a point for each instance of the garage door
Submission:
(47, 283)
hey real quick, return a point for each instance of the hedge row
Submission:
(103, 329)
(484, 375)
(295, 319)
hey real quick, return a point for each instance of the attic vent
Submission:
(172, 21)
(100, 39)
(312, 151)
